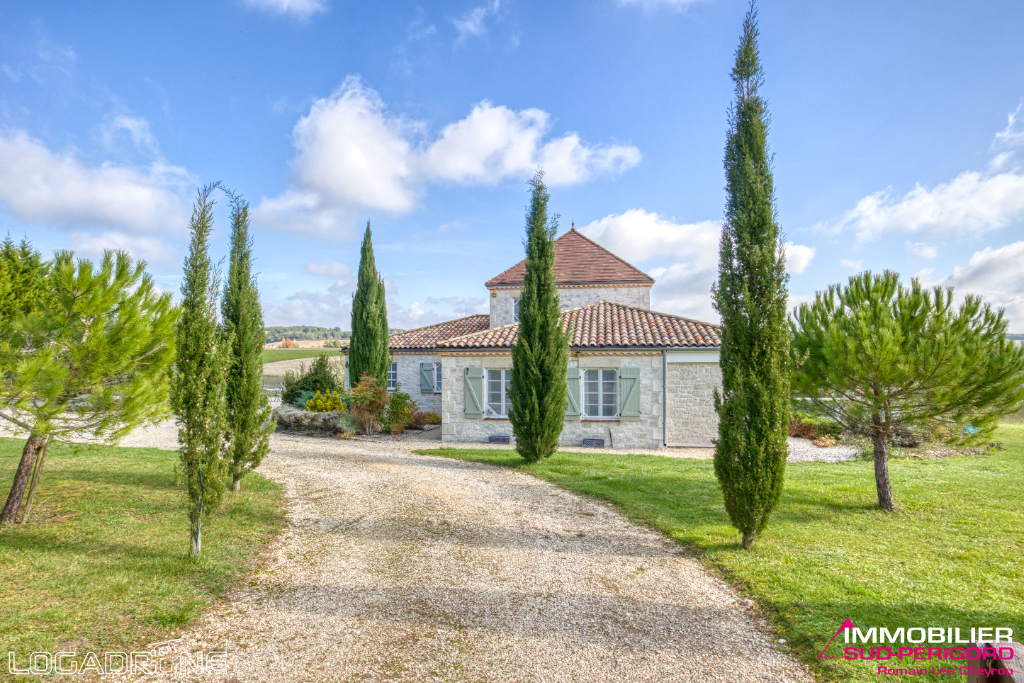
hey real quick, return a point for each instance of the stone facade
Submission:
(692, 420)
(571, 297)
(409, 378)
(644, 433)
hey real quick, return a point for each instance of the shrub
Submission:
(369, 399)
(808, 426)
(287, 343)
(826, 441)
(300, 398)
(330, 402)
(417, 420)
(431, 418)
(321, 375)
(397, 428)
(400, 410)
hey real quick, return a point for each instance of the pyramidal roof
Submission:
(580, 260)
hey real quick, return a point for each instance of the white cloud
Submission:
(142, 247)
(341, 273)
(684, 290)
(54, 189)
(851, 265)
(473, 22)
(301, 9)
(998, 275)
(637, 235)
(922, 250)
(798, 257)
(970, 203)
(462, 305)
(353, 158)
(1013, 134)
(322, 309)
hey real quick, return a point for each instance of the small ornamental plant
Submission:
(369, 399)
(329, 402)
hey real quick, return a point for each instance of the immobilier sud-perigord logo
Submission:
(934, 650)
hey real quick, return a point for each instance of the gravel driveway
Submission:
(402, 567)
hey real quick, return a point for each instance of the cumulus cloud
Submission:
(323, 309)
(55, 189)
(341, 273)
(994, 273)
(352, 157)
(922, 250)
(970, 203)
(142, 247)
(798, 257)
(300, 9)
(462, 305)
(684, 287)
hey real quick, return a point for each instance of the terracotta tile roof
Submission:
(605, 324)
(430, 336)
(580, 260)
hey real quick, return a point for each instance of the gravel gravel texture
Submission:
(402, 567)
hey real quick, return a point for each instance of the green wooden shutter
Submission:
(572, 390)
(629, 394)
(427, 378)
(474, 393)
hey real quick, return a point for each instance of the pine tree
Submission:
(540, 355)
(368, 348)
(750, 296)
(198, 383)
(248, 411)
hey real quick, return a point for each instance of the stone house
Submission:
(636, 379)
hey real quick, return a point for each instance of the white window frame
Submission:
(393, 377)
(515, 310)
(437, 378)
(504, 379)
(602, 393)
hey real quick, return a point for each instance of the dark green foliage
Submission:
(400, 410)
(885, 361)
(199, 381)
(540, 355)
(750, 296)
(300, 398)
(322, 375)
(248, 412)
(368, 349)
(22, 278)
(300, 332)
(811, 426)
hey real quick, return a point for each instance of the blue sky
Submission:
(897, 129)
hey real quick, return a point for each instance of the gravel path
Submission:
(401, 567)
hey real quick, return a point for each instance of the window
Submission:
(515, 310)
(437, 378)
(498, 382)
(393, 377)
(601, 393)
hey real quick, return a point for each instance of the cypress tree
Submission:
(248, 411)
(540, 355)
(750, 296)
(368, 348)
(198, 382)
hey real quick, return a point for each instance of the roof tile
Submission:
(430, 336)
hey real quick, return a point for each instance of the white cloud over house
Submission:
(353, 157)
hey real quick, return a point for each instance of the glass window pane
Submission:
(437, 377)
(591, 393)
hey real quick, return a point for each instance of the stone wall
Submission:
(571, 297)
(409, 378)
(692, 419)
(645, 433)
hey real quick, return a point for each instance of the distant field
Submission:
(274, 355)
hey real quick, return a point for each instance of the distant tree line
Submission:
(303, 332)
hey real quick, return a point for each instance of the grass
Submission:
(102, 563)
(274, 355)
(952, 555)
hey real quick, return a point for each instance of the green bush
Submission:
(809, 426)
(329, 402)
(431, 418)
(300, 398)
(321, 375)
(400, 410)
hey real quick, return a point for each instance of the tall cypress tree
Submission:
(248, 411)
(198, 382)
(368, 347)
(540, 355)
(750, 295)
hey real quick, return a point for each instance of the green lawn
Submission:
(273, 355)
(102, 563)
(952, 555)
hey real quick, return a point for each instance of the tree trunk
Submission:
(885, 499)
(21, 478)
(236, 483)
(748, 540)
(26, 509)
